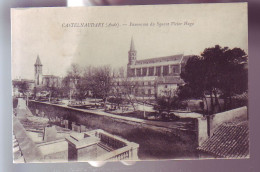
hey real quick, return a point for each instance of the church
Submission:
(153, 77)
(41, 80)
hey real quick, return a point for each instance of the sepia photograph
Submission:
(131, 83)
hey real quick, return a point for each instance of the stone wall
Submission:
(154, 141)
(57, 157)
(202, 130)
(30, 151)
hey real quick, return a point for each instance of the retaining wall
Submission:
(154, 141)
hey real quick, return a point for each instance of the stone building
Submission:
(151, 77)
(44, 80)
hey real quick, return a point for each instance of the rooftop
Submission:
(176, 58)
(230, 140)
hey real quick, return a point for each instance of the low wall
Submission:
(30, 151)
(202, 130)
(154, 141)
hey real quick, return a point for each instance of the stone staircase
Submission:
(17, 153)
(104, 146)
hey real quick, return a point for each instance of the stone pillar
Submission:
(75, 127)
(82, 147)
(50, 134)
(42, 114)
(202, 130)
(66, 123)
(161, 70)
(58, 119)
(83, 128)
(133, 153)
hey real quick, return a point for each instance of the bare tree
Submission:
(128, 88)
(71, 80)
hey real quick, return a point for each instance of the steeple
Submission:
(132, 53)
(38, 71)
(132, 46)
(38, 61)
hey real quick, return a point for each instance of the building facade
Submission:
(154, 76)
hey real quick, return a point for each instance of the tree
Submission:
(71, 80)
(81, 88)
(23, 87)
(100, 82)
(218, 71)
(128, 88)
(166, 101)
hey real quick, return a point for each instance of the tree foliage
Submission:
(22, 86)
(168, 101)
(218, 71)
(80, 81)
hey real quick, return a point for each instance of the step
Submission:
(106, 147)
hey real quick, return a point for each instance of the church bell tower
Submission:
(38, 72)
(132, 53)
(131, 58)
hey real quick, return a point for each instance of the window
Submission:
(138, 72)
(143, 91)
(144, 71)
(132, 72)
(175, 69)
(149, 92)
(151, 71)
(158, 71)
(165, 70)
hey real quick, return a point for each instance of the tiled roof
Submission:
(243, 96)
(161, 59)
(230, 140)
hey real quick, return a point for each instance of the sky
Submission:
(40, 31)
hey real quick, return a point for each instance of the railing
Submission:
(123, 148)
(119, 154)
(113, 142)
